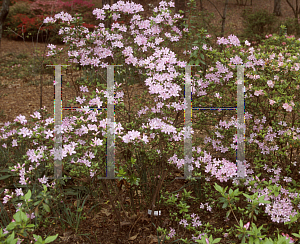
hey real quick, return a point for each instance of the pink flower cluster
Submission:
(287, 237)
(268, 36)
(232, 40)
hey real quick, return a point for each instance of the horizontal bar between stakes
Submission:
(67, 108)
(214, 108)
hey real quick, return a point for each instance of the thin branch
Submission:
(292, 7)
(216, 8)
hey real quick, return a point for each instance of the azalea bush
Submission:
(25, 18)
(153, 137)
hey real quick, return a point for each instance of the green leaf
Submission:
(216, 240)
(218, 188)
(51, 238)
(11, 226)
(28, 195)
(295, 234)
(5, 177)
(38, 238)
(251, 240)
(202, 62)
(30, 226)
(46, 207)
(246, 195)
(24, 217)
(17, 216)
(37, 202)
(11, 239)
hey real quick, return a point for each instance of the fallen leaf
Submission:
(96, 216)
(125, 223)
(133, 238)
(105, 211)
(133, 216)
(153, 238)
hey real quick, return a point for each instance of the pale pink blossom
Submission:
(270, 83)
(247, 225)
(287, 107)
(257, 93)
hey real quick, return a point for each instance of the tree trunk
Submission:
(295, 10)
(3, 14)
(201, 5)
(222, 16)
(277, 7)
(224, 19)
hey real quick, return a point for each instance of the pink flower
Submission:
(288, 237)
(247, 225)
(207, 241)
(272, 101)
(287, 107)
(270, 83)
(283, 43)
(257, 93)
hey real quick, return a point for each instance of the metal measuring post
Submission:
(240, 150)
(57, 124)
(110, 170)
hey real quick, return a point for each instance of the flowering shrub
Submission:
(268, 71)
(26, 18)
(22, 25)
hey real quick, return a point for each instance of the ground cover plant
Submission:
(153, 140)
